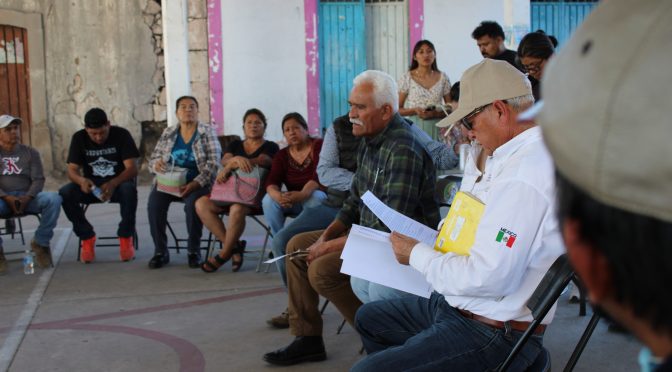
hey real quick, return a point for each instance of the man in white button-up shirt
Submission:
(478, 312)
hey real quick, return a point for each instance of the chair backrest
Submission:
(550, 288)
(547, 293)
(225, 140)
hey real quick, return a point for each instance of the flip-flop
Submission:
(240, 249)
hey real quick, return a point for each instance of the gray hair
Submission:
(385, 89)
(521, 103)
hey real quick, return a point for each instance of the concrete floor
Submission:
(115, 316)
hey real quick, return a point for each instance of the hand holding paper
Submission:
(402, 245)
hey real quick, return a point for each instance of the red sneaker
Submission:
(126, 249)
(88, 253)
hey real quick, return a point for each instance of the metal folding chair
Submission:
(547, 293)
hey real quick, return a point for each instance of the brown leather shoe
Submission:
(42, 255)
(281, 321)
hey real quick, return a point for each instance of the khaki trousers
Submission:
(307, 282)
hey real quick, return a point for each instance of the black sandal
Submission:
(209, 267)
(240, 249)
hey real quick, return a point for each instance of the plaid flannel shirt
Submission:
(396, 167)
(207, 151)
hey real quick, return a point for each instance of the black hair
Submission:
(255, 111)
(536, 44)
(296, 116)
(455, 92)
(177, 103)
(95, 118)
(638, 250)
(416, 48)
(489, 28)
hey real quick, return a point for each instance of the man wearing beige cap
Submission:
(611, 146)
(21, 183)
(477, 311)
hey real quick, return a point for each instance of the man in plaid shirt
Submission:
(394, 165)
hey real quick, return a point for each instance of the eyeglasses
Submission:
(466, 121)
(533, 66)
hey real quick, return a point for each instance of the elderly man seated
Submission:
(478, 312)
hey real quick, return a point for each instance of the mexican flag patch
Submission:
(505, 236)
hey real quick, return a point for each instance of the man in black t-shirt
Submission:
(489, 37)
(102, 167)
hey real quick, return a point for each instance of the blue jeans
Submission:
(312, 218)
(430, 335)
(368, 291)
(48, 205)
(126, 194)
(275, 215)
(157, 212)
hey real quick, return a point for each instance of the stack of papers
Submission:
(368, 253)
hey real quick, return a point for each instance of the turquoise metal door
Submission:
(342, 54)
(559, 18)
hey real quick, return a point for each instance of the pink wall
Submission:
(215, 74)
(312, 67)
(416, 21)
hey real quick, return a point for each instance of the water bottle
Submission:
(29, 262)
(98, 193)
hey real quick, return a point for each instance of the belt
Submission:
(512, 324)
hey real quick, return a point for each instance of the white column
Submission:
(516, 21)
(176, 53)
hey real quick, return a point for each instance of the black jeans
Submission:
(126, 195)
(157, 211)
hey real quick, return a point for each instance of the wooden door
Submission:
(14, 77)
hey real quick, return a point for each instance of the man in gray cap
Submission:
(610, 143)
(21, 183)
(477, 311)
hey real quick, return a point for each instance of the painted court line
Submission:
(16, 334)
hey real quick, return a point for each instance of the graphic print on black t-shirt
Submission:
(102, 161)
(102, 167)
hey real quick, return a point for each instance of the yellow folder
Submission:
(459, 229)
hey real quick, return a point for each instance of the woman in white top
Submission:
(423, 89)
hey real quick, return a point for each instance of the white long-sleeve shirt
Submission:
(517, 240)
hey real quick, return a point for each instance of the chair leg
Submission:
(340, 328)
(23, 239)
(262, 255)
(571, 363)
(324, 307)
(172, 233)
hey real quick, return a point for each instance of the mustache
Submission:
(356, 121)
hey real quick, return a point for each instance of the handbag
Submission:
(240, 188)
(172, 180)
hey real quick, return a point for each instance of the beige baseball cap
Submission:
(6, 120)
(484, 83)
(607, 98)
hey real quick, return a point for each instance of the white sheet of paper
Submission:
(369, 257)
(396, 221)
(275, 259)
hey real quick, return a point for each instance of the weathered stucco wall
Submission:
(98, 53)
